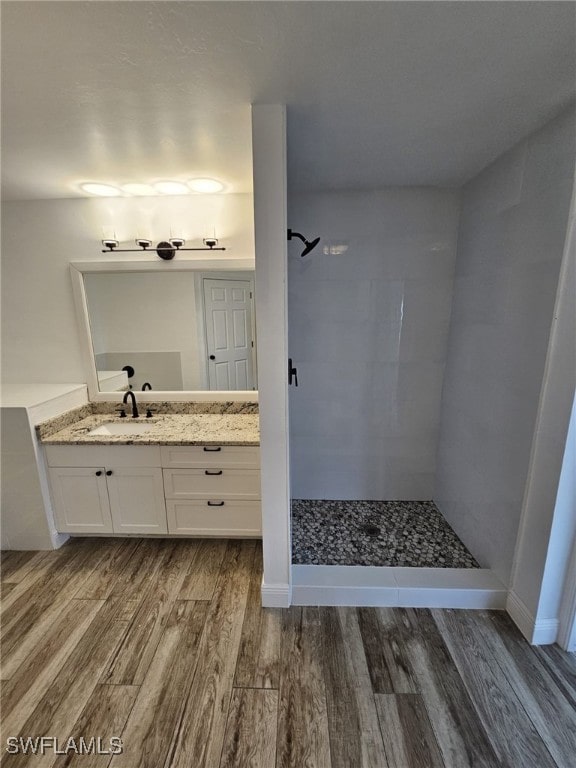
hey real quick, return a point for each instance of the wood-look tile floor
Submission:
(163, 643)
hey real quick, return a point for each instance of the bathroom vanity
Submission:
(182, 474)
(193, 467)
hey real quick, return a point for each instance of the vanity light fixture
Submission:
(165, 248)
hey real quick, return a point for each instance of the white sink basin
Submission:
(121, 428)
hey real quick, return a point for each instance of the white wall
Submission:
(563, 531)
(512, 232)
(547, 539)
(269, 153)
(40, 342)
(368, 332)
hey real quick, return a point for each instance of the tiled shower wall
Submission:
(368, 332)
(512, 232)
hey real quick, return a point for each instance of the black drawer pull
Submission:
(210, 472)
(215, 503)
(212, 449)
(109, 472)
(98, 473)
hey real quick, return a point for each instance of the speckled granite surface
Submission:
(386, 533)
(64, 420)
(167, 406)
(52, 426)
(165, 429)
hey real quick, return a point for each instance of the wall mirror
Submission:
(183, 327)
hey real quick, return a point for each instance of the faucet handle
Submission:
(122, 411)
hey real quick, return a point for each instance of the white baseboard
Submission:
(396, 587)
(58, 539)
(567, 620)
(545, 632)
(276, 595)
(520, 615)
(536, 631)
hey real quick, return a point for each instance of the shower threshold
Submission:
(384, 553)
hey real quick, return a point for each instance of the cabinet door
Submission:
(80, 500)
(137, 499)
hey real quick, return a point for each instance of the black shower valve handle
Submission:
(292, 373)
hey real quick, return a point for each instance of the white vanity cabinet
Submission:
(107, 489)
(180, 490)
(212, 490)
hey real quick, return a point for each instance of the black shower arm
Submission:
(292, 234)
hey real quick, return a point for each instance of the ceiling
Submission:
(378, 93)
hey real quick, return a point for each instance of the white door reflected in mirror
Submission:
(229, 334)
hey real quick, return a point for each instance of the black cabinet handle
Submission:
(212, 449)
(212, 357)
(109, 472)
(216, 472)
(215, 503)
(98, 473)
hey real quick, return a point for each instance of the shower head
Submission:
(310, 244)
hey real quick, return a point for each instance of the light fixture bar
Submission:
(140, 250)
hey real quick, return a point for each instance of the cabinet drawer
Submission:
(205, 483)
(219, 456)
(241, 519)
(102, 455)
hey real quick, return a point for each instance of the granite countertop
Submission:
(166, 429)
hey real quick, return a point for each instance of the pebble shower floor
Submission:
(386, 533)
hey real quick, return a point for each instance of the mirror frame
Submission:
(77, 271)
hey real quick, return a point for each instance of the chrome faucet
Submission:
(129, 393)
